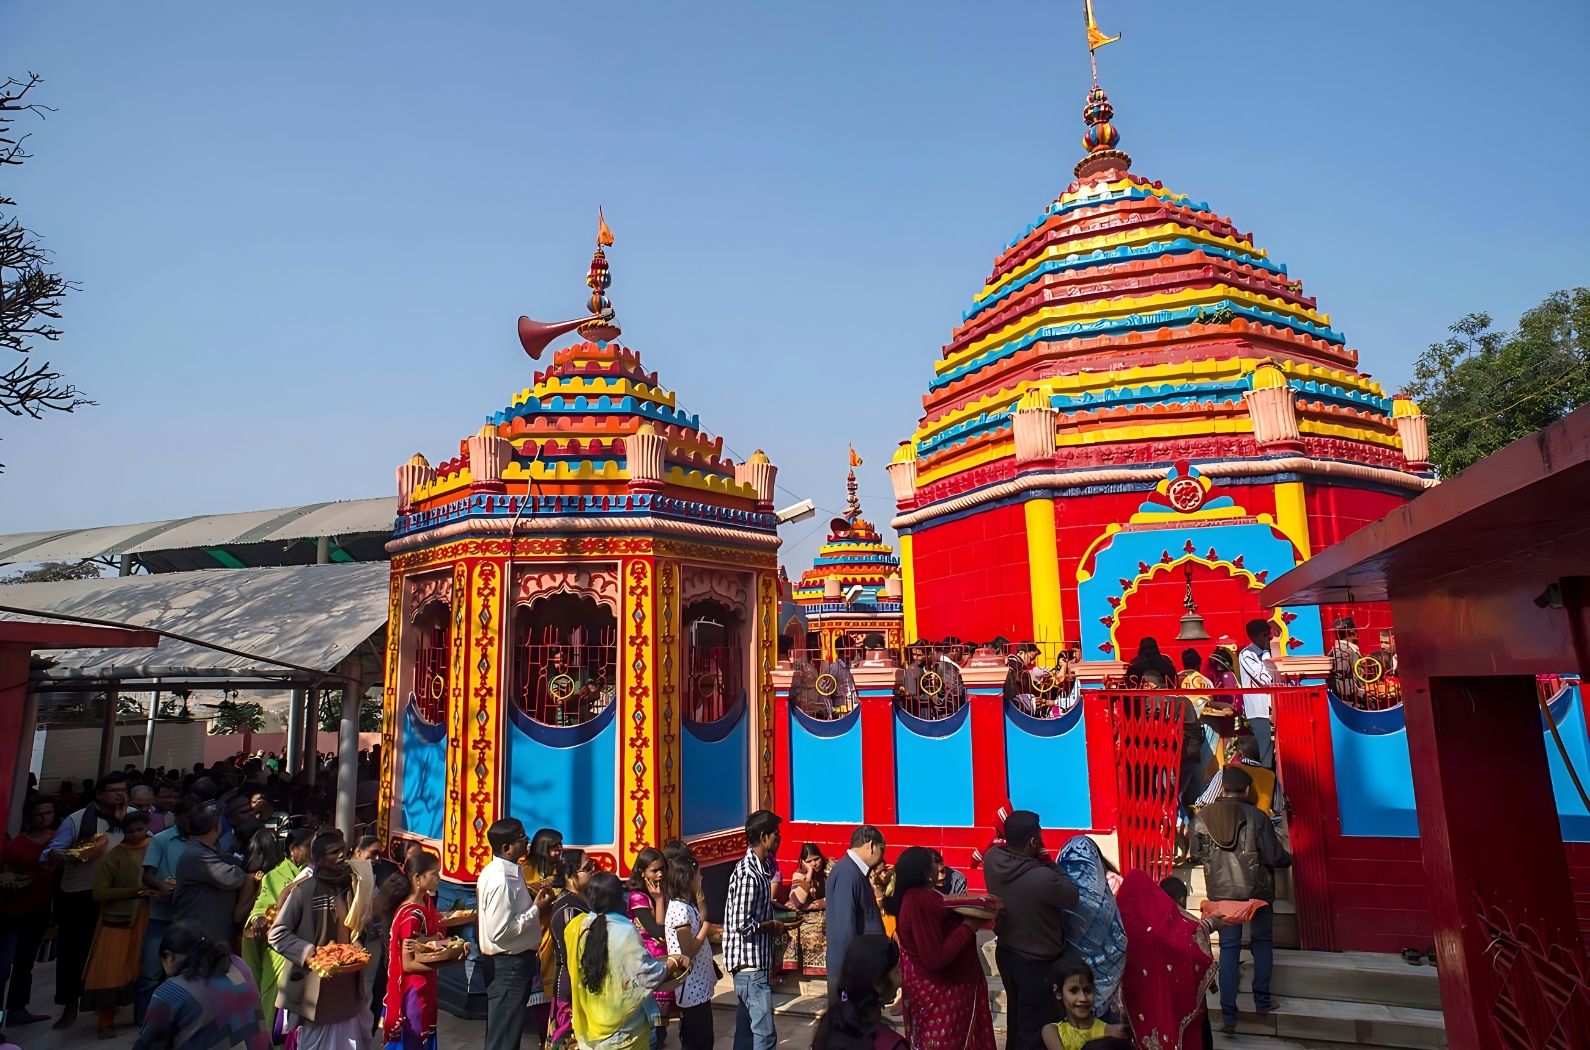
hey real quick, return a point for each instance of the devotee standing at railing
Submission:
(946, 993)
(1258, 671)
(852, 906)
(748, 932)
(1031, 930)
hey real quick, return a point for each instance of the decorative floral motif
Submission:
(637, 710)
(698, 582)
(766, 657)
(669, 603)
(487, 704)
(389, 710)
(452, 826)
(598, 584)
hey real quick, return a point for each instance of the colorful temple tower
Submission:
(1139, 407)
(583, 612)
(854, 587)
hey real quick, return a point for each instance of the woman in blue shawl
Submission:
(1094, 929)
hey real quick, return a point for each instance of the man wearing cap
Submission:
(1031, 931)
(1239, 851)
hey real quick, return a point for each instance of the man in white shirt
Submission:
(1257, 670)
(508, 924)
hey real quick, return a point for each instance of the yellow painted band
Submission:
(1291, 515)
(908, 589)
(1169, 231)
(1123, 306)
(1043, 574)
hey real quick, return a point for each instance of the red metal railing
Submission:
(566, 675)
(1147, 730)
(431, 658)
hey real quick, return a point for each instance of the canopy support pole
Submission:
(295, 734)
(348, 761)
(149, 729)
(311, 737)
(107, 736)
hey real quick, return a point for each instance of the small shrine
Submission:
(583, 618)
(853, 589)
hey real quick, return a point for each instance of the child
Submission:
(1073, 986)
(687, 936)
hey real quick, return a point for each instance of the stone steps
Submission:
(1311, 1021)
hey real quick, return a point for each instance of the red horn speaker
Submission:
(534, 335)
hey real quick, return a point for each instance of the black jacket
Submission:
(1237, 845)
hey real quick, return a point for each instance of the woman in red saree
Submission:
(1168, 967)
(409, 1021)
(946, 993)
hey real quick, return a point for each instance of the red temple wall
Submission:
(971, 577)
(1334, 513)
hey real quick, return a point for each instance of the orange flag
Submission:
(855, 460)
(604, 236)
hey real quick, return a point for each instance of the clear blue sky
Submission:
(304, 231)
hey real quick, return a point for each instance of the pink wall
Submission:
(223, 747)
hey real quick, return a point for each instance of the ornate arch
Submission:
(600, 585)
(698, 583)
(433, 587)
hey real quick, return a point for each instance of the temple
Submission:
(583, 607)
(853, 588)
(1140, 409)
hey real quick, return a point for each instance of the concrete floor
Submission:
(794, 1032)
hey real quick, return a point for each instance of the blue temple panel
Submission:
(717, 772)
(563, 776)
(424, 784)
(1046, 767)
(1374, 775)
(933, 770)
(825, 768)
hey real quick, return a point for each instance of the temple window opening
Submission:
(565, 646)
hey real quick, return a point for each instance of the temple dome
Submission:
(1140, 316)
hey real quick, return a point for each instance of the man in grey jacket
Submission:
(329, 1012)
(207, 880)
(1237, 844)
(1031, 931)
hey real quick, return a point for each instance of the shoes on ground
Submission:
(25, 1017)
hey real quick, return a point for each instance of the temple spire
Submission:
(852, 501)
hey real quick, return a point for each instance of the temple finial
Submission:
(599, 280)
(1100, 137)
(852, 502)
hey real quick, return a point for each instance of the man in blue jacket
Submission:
(852, 907)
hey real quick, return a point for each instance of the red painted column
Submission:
(1101, 761)
(1492, 843)
(783, 799)
(990, 780)
(13, 696)
(877, 761)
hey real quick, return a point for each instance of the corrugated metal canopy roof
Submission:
(344, 518)
(311, 615)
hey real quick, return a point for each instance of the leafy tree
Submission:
(331, 713)
(55, 571)
(30, 289)
(1483, 389)
(234, 717)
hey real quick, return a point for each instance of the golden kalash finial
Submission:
(599, 326)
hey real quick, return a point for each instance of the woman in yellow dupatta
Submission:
(267, 965)
(612, 973)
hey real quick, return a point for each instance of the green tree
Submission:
(55, 571)
(234, 717)
(30, 289)
(1483, 389)
(331, 713)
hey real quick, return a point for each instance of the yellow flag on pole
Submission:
(1096, 37)
(855, 460)
(604, 236)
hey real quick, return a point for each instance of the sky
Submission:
(303, 232)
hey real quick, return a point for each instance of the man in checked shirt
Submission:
(748, 932)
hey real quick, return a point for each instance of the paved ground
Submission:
(794, 1032)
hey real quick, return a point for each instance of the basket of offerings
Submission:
(333, 960)
(84, 849)
(452, 949)
(11, 882)
(458, 917)
(975, 905)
